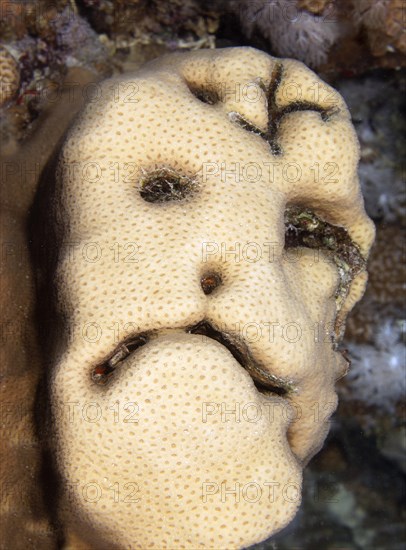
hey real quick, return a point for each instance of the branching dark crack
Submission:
(273, 110)
(275, 113)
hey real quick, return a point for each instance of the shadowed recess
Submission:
(205, 95)
(303, 228)
(166, 185)
(105, 369)
(210, 281)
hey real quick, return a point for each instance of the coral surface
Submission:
(9, 76)
(185, 308)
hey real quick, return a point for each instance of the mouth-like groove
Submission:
(104, 370)
(264, 381)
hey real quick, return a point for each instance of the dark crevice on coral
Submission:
(270, 134)
(305, 106)
(210, 281)
(166, 185)
(211, 97)
(102, 372)
(245, 125)
(303, 228)
(273, 110)
(263, 380)
(276, 114)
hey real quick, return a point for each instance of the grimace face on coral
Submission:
(212, 238)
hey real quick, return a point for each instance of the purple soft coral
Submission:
(291, 32)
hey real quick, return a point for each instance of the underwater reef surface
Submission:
(354, 489)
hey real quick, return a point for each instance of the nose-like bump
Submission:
(283, 324)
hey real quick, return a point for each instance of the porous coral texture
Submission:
(9, 76)
(313, 6)
(204, 324)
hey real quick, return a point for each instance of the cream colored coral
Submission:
(313, 6)
(9, 76)
(139, 249)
